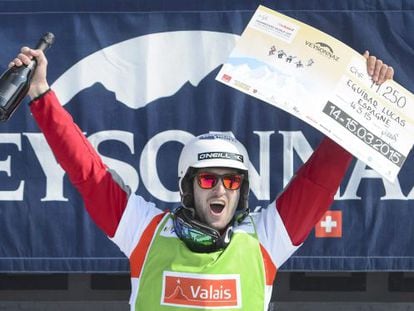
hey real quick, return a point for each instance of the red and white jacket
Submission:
(281, 228)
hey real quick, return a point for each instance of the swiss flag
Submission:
(330, 225)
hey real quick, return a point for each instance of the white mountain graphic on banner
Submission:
(146, 68)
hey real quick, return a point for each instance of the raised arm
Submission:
(312, 190)
(105, 197)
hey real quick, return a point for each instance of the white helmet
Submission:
(212, 150)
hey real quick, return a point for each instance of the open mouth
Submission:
(216, 208)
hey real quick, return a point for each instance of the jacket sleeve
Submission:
(104, 198)
(311, 191)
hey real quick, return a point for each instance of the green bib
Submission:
(175, 278)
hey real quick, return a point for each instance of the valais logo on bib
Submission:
(213, 291)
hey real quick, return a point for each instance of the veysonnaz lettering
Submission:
(52, 186)
(220, 155)
(323, 48)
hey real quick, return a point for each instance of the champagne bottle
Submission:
(15, 82)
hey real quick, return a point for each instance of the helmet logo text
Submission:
(220, 155)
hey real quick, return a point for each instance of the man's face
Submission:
(216, 206)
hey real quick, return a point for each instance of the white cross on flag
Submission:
(330, 225)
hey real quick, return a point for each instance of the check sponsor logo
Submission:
(213, 291)
(226, 78)
(323, 49)
(241, 85)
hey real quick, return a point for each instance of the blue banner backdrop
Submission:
(139, 79)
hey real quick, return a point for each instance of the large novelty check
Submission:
(324, 82)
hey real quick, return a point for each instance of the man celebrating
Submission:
(209, 253)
